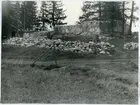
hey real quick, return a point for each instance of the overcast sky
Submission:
(73, 10)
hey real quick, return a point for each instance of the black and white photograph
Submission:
(69, 52)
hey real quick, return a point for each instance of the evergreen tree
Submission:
(131, 18)
(28, 14)
(123, 20)
(107, 13)
(11, 23)
(91, 10)
(6, 10)
(16, 24)
(112, 15)
(52, 13)
(43, 13)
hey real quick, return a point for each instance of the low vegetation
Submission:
(89, 79)
(100, 82)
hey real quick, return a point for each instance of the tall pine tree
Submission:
(91, 10)
(16, 24)
(11, 23)
(53, 13)
(112, 15)
(107, 13)
(6, 12)
(28, 14)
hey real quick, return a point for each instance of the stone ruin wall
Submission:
(90, 28)
(85, 28)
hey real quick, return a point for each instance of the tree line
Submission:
(21, 16)
(109, 14)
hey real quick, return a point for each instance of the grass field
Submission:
(91, 80)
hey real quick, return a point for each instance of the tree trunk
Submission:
(123, 20)
(132, 10)
(53, 24)
(24, 16)
(112, 22)
(99, 15)
(18, 30)
(43, 19)
(112, 27)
